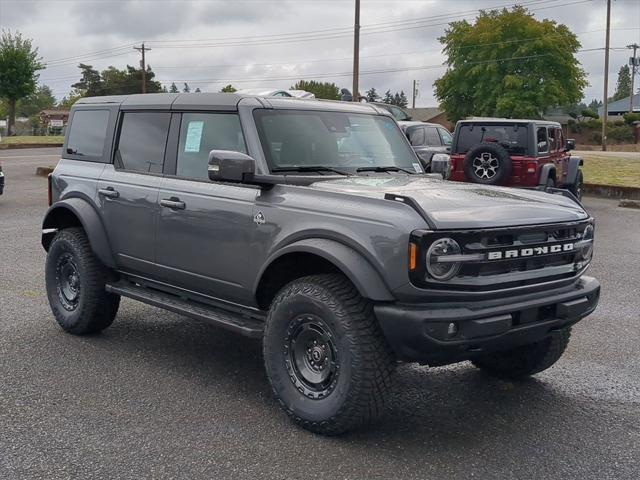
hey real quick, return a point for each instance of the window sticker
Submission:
(194, 136)
(417, 168)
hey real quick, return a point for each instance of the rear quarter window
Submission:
(87, 134)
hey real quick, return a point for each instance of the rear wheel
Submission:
(325, 356)
(75, 281)
(527, 360)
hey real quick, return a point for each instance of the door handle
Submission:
(173, 203)
(109, 192)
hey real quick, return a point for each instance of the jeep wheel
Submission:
(576, 188)
(76, 285)
(526, 360)
(325, 356)
(488, 164)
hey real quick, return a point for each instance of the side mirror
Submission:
(441, 163)
(570, 144)
(230, 166)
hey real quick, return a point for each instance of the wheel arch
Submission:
(547, 171)
(312, 256)
(572, 169)
(77, 212)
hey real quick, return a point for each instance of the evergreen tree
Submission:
(186, 88)
(623, 87)
(173, 88)
(388, 97)
(372, 95)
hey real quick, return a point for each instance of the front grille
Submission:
(542, 265)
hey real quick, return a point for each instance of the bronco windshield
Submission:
(338, 141)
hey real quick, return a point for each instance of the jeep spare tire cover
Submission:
(487, 163)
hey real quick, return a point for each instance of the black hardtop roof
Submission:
(223, 101)
(480, 120)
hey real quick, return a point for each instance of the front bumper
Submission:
(423, 332)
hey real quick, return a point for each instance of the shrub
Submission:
(620, 133)
(629, 118)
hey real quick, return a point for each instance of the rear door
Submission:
(204, 228)
(128, 188)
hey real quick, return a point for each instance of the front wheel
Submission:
(325, 356)
(75, 281)
(527, 360)
(576, 188)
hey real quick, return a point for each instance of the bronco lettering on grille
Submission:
(530, 251)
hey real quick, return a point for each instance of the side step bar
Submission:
(245, 325)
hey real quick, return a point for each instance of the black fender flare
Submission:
(572, 170)
(90, 221)
(545, 173)
(352, 264)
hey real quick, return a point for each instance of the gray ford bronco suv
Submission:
(311, 226)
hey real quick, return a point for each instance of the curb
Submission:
(18, 146)
(44, 171)
(629, 204)
(612, 191)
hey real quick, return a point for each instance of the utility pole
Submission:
(143, 49)
(606, 80)
(414, 95)
(634, 62)
(356, 54)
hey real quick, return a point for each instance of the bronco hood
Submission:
(453, 205)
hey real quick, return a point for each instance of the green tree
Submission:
(173, 88)
(623, 87)
(19, 63)
(197, 90)
(67, 102)
(40, 99)
(400, 99)
(372, 95)
(114, 81)
(595, 104)
(187, 88)
(325, 90)
(508, 64)
(228, 89)
(388, 97)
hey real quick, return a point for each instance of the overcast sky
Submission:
(252, 43)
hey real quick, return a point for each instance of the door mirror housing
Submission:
(230, 166)
(238, 167)
(570, 144)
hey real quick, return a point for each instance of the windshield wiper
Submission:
(384, 169)
(310, 168)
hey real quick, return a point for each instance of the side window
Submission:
(142, 142)
(560, 138)
(541, 138)
(433, 139)
(416, 136)
(88, 133)
(552, 139)
(202, 132)
(446, 137)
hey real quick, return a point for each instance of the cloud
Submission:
(255, 54)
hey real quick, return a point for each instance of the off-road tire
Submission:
(491, 151)
(527, 360)
(576, 188)
(94, 309)
(365, 363)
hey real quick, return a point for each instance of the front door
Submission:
(205, 229)
(128, 189)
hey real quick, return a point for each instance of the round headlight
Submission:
(438, 265)
(587, 243)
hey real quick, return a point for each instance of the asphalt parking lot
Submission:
(160, 396)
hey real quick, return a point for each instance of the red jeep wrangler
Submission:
(517, 153)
